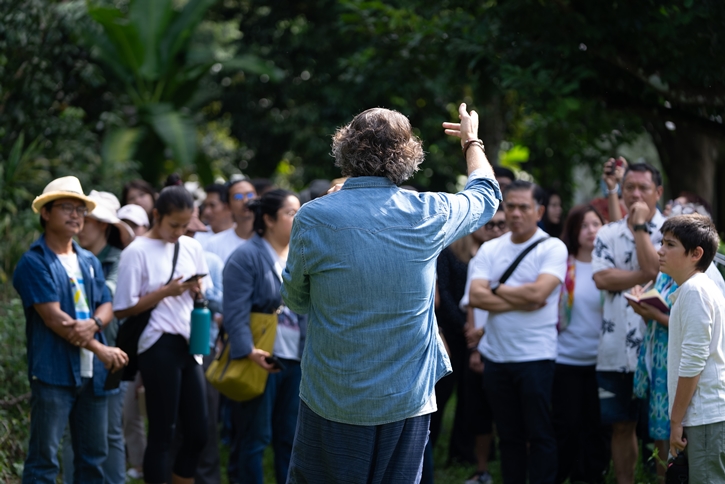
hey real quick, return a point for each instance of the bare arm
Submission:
(481, 297)
(111, 357)
(56, 319)
(467, 129)
(617, 280)
(174, 288)
(534, 293)
(649, 261)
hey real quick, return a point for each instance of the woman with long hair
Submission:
(173, 378)
(575, 396)
(139, 192)
(252, 283)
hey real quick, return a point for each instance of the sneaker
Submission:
(480, 478)
(134, 474)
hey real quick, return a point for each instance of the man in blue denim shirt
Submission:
(362, 266)
(66, 304)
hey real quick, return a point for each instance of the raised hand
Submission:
(467, 128)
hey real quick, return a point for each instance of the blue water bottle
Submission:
(200, 326)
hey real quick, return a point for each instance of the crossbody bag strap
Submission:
(173, 264)
(518, 260)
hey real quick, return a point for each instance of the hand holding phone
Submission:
(275, 362)
(195, 277)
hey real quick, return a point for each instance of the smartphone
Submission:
(275, 362)
(194, 277)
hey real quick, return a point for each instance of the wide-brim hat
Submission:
(106, 207)
(64, 187)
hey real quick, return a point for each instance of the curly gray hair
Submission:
(378, 142)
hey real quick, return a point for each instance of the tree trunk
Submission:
(690, 160)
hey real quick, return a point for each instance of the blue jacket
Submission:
(251, 285)
(362, 265)
(41, 278)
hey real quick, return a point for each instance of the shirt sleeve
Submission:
(237, 304)
(697, 327)
(131, 273)
(602, 255)
(34, 281)
(470, 209)
(295, 277)
(555, 257)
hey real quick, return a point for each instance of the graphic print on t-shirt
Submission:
(80, 301)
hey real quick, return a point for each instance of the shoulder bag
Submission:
(518, 260)
(129, 333)
(242, 379)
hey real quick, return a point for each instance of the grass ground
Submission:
(444, 474)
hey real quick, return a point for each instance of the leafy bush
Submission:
(14, 386)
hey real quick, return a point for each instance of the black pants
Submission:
(580, 441)
(175, 389)
(520, 397)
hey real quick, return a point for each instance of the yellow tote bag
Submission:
(243, 379)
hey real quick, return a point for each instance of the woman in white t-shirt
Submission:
(252, 283)
(575, 396)
(173, 378)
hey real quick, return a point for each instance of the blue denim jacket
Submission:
(362, 265)
(40, 278)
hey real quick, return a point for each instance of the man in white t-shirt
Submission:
(239, 192)
(519, 346)
(625, 255)
(215, 212)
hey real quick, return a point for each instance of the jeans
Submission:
(520, 397)
(114, 468)
(270, 418)
(53, 407)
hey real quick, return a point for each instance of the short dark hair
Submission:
(267, 204)
(261, 185)
(642, 168)
(573, 225)
(230, 184)
(500, 171)
(173, 199)
(138, 185)
(537, 192)
(219, 189)
(378, 142)
(47, 206)
(694, 231)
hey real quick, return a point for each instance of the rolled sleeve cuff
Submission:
(691, 366)
(480, 175)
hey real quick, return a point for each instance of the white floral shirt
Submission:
(622, 328)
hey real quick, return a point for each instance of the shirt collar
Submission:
(368, 182)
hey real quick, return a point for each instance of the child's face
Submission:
(673, 259)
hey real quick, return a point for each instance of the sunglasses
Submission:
(243, 196)
(501, 225)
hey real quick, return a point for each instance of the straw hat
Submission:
(65, 187)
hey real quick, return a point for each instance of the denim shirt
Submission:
(362, 265)
(41, 278)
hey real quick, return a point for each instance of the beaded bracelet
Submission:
(473, 141)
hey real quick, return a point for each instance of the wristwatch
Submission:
(494, 288)
(642, 227)
(99, 323)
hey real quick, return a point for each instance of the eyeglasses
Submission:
(501, 225)
(69, 208)
(244, 196)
